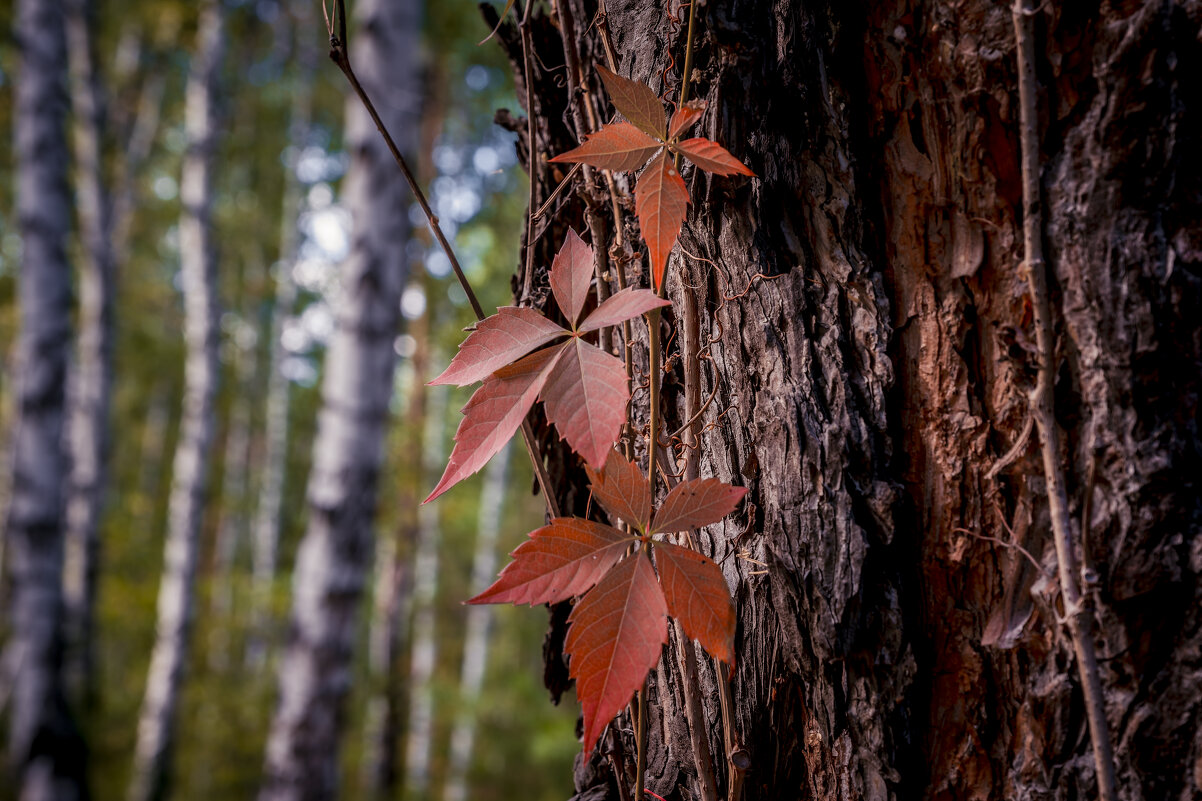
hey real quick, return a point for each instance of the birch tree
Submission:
(314, 672)
(91, 377)
(192, 455)
(44, 748)
(266, 531)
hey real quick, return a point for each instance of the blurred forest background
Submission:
(279, 222)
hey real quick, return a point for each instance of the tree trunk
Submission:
(872, 353)
(314, 673)
(479, 625)
(198, 266)
(279, 389)
(423, 650)
(235, 493)
(45, 751)
(91, 378)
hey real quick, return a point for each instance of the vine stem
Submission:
(340, 55)
(641, 739)
(1042, 408)
(531, 154)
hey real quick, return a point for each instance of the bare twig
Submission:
(340, 56)
(558, 190)
(1016, 450)
(1042, 405)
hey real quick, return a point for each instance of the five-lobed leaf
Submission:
(559, 561)
(584, 388)
(618, 627)
(696, 503)
(698, 598)
(661, 201)
(617, 632)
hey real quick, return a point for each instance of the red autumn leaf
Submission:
(635, 101)
(711, 157)
(685, 117)
(698, 598)
(619, 146)
(584, 388)
(494, 412)
(660, 200)
(559, 561)
(571, 276)
(696, 503)
(585, 398)
(497, 341)
(623, 490)
(616, 634)
(622, 305)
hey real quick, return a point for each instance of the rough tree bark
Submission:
(872, 356)
(314, 673)
(198, 274)
(45, 752)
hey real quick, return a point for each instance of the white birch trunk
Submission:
(192, 455)
(314, 672)
(43, 747)
(479, 626)
(266, 532)
(91, 378)
(424, 651)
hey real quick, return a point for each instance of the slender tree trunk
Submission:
(479, 624)
(389, 628)
(864, 314)
(234, 501)
(423, 652)
(91, 379)
(393, 592)
(279, 389)
(192, 456)
(303, 747)
(45, 751)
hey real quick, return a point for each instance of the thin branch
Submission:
(1042, 405)
(1016, 450)
(340, 56)
(558, 190)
